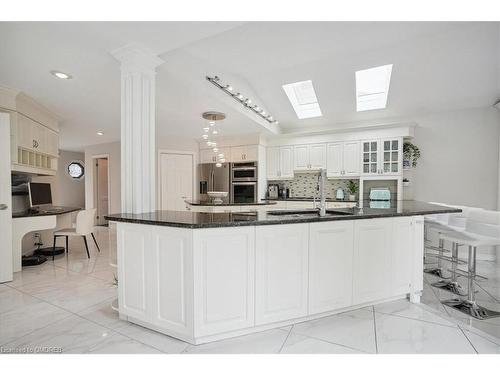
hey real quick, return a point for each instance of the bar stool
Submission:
(438, 224)
(482, 229)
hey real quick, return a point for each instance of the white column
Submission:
(138, 132)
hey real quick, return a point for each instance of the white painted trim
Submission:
(101, 156)
(161, 151)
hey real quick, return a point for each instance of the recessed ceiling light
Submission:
(303, 99)
(60, 75)
(100, 133)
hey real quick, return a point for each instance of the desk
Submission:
(26, 222)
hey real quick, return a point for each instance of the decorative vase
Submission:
(352, 197)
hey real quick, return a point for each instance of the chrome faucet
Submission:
(321, 189)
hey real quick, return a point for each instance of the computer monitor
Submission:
(39, 193)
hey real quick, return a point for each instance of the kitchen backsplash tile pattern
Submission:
(304, 185)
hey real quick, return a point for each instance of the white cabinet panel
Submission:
(335, 163)
(273, 162)
(301, 158)
(382, 156)
(208, 156)
(401, 255)
(372, 260)
(52, 142)
(244, 153)
(172, 302)
(25, 132)
(133, 270)
(224, 276)
(317, 156)
(330, 265)
(286, 162)
(281, 272)
(351, 158)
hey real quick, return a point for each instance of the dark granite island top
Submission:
(187, 219)
(213, 204)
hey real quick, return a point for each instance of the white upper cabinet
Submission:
(279, 162)
(343, 159)
(301, 158)
(351, 158)
(244, 154)
(286, 162)
(382, 156)
(335, 159)
(317, 156)
(309, 157)
(273, 162)
(209, 156)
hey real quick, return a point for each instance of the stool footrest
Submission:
(471, 308)
(467, 276)
(438, 249)
(450, 259)
(450, 286)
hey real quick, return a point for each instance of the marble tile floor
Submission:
(66, 305)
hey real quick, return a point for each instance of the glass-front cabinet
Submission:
(382, 156)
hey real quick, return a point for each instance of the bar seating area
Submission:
(471, 229)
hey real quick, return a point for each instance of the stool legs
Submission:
(86, 246)
(438, 271)
(452, 285)
(469, 305)
(95, 242)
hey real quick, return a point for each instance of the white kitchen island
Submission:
(202, 277)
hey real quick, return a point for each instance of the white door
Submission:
(5, 201)
(176, 180)
(317, 156)
(281, 272)
(224, 277)
(286, 162)
(273, 162)
(301, 158)
(372, 260)
(330, 265)
(351, 158)
(335, 162)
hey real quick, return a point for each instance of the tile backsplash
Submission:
(304, 185)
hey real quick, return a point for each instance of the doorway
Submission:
(101, 188)
(176, 178)
(5, 201)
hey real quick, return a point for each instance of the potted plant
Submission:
(411, 154)
(352, 188)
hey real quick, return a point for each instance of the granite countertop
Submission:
(188, 219)
(210, 203)
(307, 199)
(46, 212)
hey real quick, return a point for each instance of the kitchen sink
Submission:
(307, 213)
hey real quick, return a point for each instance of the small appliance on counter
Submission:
(380, 198)
(339, 194)
(273, 191)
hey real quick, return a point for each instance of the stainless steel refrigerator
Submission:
(213, 178)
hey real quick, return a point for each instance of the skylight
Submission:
(372, 87)
(303, 99)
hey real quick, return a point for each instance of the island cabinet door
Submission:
(372, 260)
(331, 247)
(134, 265)
(281, 272)
(171, 275)
(402, 246)
(224, 278)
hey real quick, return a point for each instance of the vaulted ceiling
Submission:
(438, 66)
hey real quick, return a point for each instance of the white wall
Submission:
(460, 157)
(66, 191)
(113, 152)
